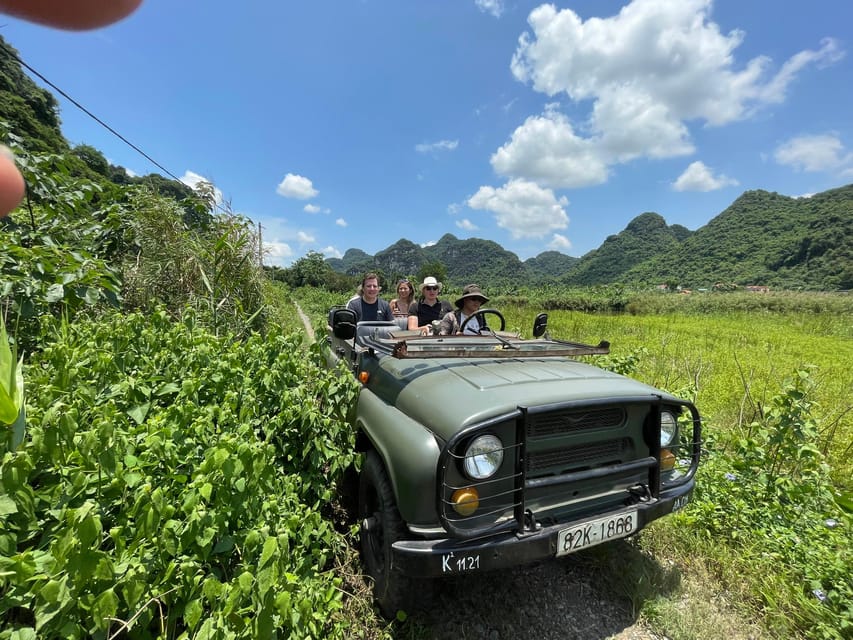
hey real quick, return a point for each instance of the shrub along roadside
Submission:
(171, 485)
(764, 516)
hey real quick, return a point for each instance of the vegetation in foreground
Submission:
(174, 484)
(170, 474)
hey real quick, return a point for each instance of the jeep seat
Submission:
(342, 321)
(375, 330)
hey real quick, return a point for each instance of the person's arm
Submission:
(355, 305)
(11, 182)
(447, 325)
(413, 317)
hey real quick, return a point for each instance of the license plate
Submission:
(595, 532)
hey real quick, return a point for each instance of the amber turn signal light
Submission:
(363, 377)
(667, 460)
(465, 501)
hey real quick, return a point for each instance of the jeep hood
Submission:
(446, 395)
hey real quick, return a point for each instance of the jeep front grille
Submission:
(578, 420)
(574, 459)
(609, 451)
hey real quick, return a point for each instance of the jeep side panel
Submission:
(410, 453)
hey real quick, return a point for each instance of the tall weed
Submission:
(213, 268)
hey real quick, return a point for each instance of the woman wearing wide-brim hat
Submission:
(428, 307)
(467, 305)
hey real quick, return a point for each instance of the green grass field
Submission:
(733, 362)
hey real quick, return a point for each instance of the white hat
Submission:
(429, 281)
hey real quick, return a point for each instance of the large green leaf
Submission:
(55, 293)
(7, 506)
(11, 387)
(105, 609)
(845, 501)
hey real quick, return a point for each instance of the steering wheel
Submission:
(483, 312)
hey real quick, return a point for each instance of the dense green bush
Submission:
(768, 500)
(592, 299)
(53, 252)
(739, 302)
(213, 268)
(171, 485)
(315, 302)
(76, 246)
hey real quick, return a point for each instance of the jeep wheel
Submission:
(381, 525)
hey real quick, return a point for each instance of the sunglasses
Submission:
(431, 288)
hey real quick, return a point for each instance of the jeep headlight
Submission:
(668, 428)
(483, 457)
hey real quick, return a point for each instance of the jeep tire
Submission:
(381, 526)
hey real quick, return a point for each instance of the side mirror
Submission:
(540, 325)
(343, 323)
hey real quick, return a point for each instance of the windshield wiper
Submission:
(506, 343)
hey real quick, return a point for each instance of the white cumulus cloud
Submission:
(193, 180)
(494, 7)
(313, 208)
(294, 186)
(559, 242)
(546, 150)
(523, 208)
(331, 252)
(815, 153)
(305, 238)
(466, 224)
(276, 253)
(441, 145)
(341, 222)
(635, 81)
(699, 177)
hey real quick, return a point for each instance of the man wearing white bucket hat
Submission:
(428, 307)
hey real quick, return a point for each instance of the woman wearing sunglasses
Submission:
(428, 307)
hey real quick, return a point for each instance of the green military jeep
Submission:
(489, 451)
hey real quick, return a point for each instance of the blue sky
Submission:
(354, 123)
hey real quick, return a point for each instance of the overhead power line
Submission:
(96, 118)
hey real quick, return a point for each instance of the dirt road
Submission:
(566, 599)
(309, 330)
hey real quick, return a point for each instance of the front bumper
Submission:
(447, 557)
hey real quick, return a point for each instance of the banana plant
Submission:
(12, 414)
